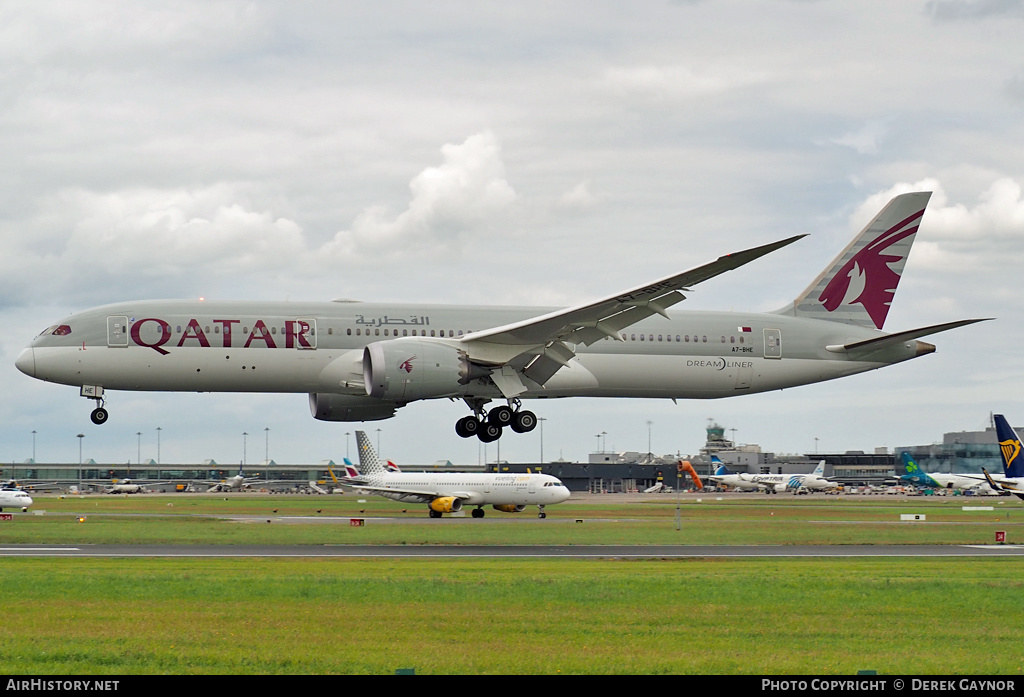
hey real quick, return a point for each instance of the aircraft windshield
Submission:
(56, 330)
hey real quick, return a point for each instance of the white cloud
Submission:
(866, 140)
(578, 198)
(465, 195)
(129, 238)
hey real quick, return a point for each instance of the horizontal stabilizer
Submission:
(888, 340)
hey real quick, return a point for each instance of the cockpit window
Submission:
(56, 330)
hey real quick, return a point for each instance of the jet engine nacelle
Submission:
(509, 508)
(343, 407)
(406, 370)
(446, 504)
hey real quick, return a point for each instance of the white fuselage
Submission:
(778, 482)
(953, 481)
(14, 498)
(319, 348)
(471, 488)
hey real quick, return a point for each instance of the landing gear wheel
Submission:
(478, 513)
(524, 421)
(467, 426)
(542, 514)
(99, 416)
(500, 416)
(433, 513)
(489, 433)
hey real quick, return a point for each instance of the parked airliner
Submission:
(913, 474)
(771, 483)
(237, 482)
(1012, 479)
(447, 492)
(361, 361)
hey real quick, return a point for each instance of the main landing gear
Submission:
(94, 392)
(487, 425)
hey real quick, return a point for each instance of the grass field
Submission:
(744, 519)
(356, 616)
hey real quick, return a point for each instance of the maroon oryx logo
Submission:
(868, 272)
(406, 365)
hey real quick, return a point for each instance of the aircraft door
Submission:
(117, 331)
(773, 343)
(301, 334)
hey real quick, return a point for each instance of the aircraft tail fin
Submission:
(859, 285)
(369, 463)
(1009, 447)
(909, 466)
(820, 469)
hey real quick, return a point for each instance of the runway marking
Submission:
(40, 549)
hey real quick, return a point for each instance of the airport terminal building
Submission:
(605, 472)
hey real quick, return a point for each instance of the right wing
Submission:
(538, 347)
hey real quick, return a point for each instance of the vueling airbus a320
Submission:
(361, 361)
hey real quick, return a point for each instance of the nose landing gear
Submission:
(99, 416)
(95, 392)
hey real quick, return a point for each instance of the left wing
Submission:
(421, 495)
(539, 346)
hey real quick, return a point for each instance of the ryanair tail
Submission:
(1009, 448)
(859, 285)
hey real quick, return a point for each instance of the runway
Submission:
(514, 551)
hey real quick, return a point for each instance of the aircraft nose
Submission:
(26, 362)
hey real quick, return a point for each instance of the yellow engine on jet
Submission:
(509, 508)
(446, 504)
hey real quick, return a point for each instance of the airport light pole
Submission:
(245, 437)
(347, 434)
(80, 436)
(541, 421)
(266, 454)
(158, 429)
(679, 485)
(33, 447)
(138, 455)
(650, 455)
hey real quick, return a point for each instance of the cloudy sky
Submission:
(507, 153)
